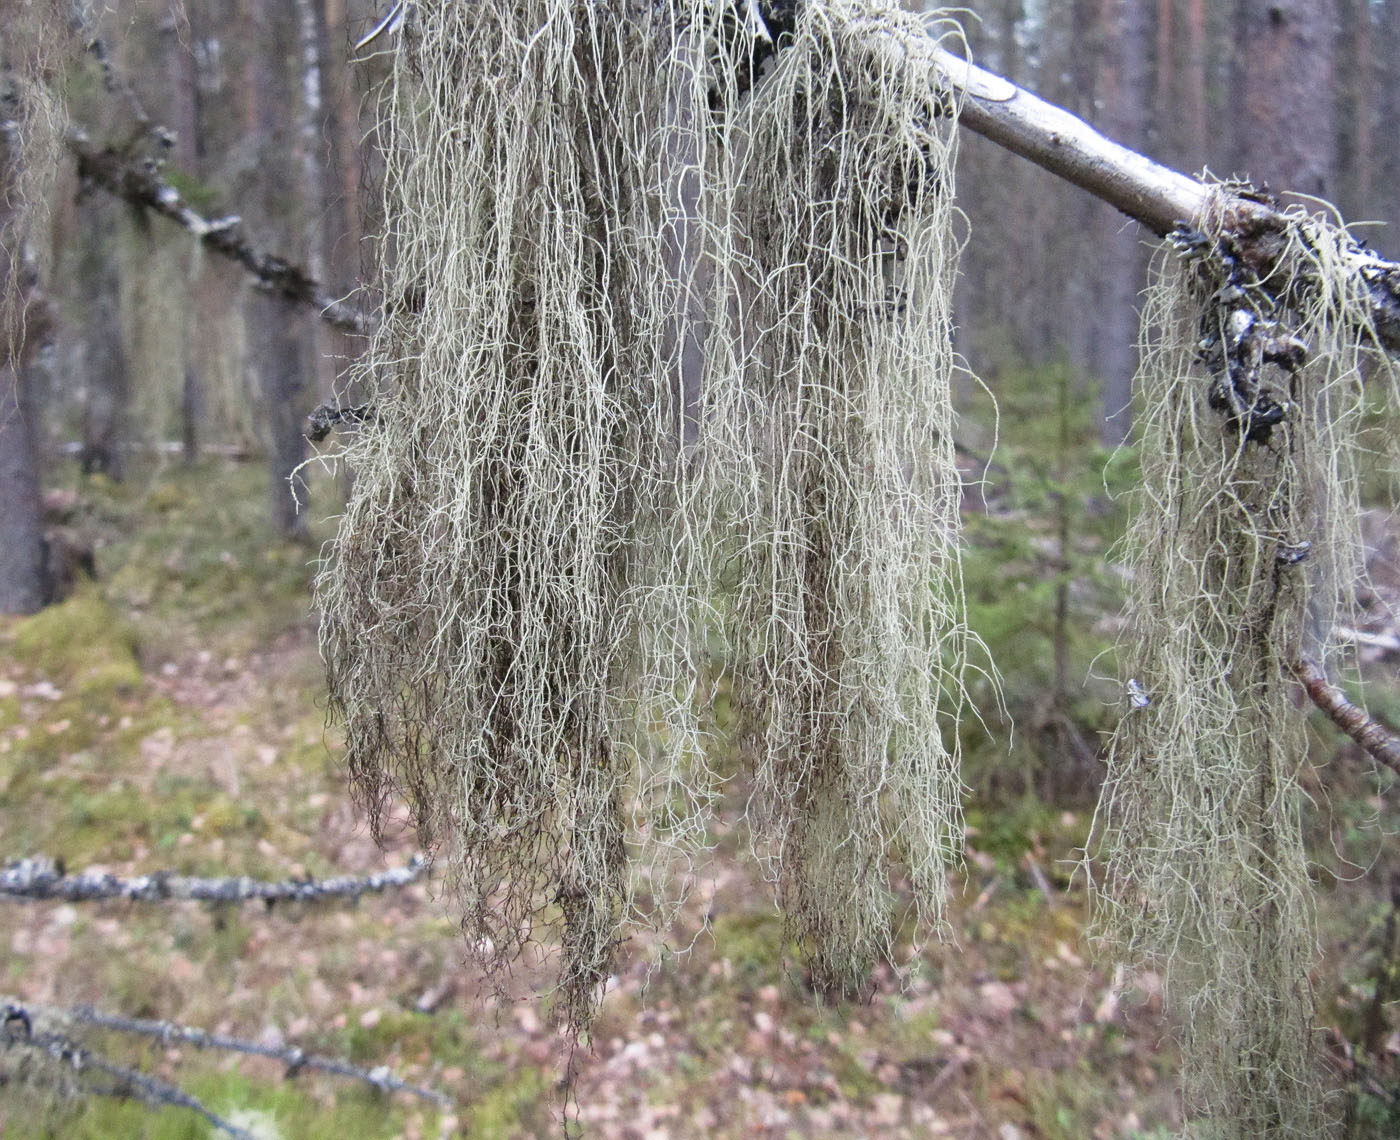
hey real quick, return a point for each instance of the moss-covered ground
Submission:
(170, 716)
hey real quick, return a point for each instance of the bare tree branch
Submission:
(65, 1054)
(1160, 198)
(1070, 148)
(140, 183)
(1374, 737)
(41, 878)
(1155, 195)
(118, 85)
(294, 1057)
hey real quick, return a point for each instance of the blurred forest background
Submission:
(162, 709)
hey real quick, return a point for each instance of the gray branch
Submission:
(1158, 197)
(41, 878)
(77, 1060)
(294, 1057)
(1068, 147)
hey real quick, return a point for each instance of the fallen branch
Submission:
(1070, 148)
(1374, 737)
(74, 1059)
(41, 878)
(295, 1058)
(140, 183)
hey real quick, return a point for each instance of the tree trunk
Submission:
(183, 95)
(1178, 132)
(104, 371)
(23, 577)
(1283, 93)
(279, 333)
(1193, 70)
(1123, 86)
(312, 118)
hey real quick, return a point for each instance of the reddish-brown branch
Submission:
(1374, 737)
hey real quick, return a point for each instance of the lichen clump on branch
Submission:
(665, 365)
(1244, 545)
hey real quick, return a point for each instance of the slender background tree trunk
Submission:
(1124, 81)
(23, 577)
(102, 350)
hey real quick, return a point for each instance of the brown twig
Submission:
(1355, 721)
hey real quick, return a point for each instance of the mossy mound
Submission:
(81, 644)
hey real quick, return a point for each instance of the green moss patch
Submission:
(82, 643)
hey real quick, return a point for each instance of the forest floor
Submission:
(171, 716)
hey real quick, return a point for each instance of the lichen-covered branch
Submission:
(140, 184)
(294, 1057)
(1374, 737)
(65, 1058)
(41, 878)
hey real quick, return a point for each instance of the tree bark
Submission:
(1123, 85)
(1387, 110)
(311, 153)
(1192, 68)
(1355, 143)
(23, 575)
(1283, 93)
(279, 333)
(106, 386)
(182, 89)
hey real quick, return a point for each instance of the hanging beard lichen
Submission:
(37, 42)
(666, 353)
(846, 606)
(1244, 545)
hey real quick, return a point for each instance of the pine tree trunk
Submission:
(1283, 84)
(280, 333)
